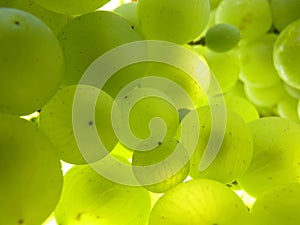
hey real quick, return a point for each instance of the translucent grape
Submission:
(199, 202)
(31, 62)
(287, 108)
(278, 205)
(237, 90)
(257, 67)
(251, 17)
(70, 7)
(88, 198)
(57, 123)
(284, 12)
(87, 37)
(30, 172)
(295, 93)
(222, 37)
(214, 3)
(173, 20)
(275, 157)
(287, 54)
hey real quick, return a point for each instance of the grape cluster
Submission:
(167, 112)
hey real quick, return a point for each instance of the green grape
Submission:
(222, 37)
(287, 108)
(88, 198)
(299, 109)
(57, 123)
(286, 54)
(169, 169)
(257, 68)
(30, 172)
(173, 20)
(278, 205)
(284, 12)
(225, 67)
(275, 157)
(214, 3)
(237, 90)
(31, 62)
(87, 37)
(295, 93)
(55, 21)
(265, 97)
(235, 153)
(69, 7)
(242, 107)
(251, 17)
(199, 202)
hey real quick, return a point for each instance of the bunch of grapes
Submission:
(164, 112)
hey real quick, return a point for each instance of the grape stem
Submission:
(201, 41)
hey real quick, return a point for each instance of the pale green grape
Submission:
(257, 68)
(71, 7)
(295, 93)
(55, 21)
(214, 3)
(87, 37)
(31, 62)
(284, 12)
(88, 198)
(237, 90)
(251, 17)
(299, 109)
(222, 37)
(287, 54)
(278, 205)
(199, 202)
(211, 22)
(265, 97)
(30, 173)
(242, 107)
(287, 108)
(173, 20)
(235, 152)
(275, 157)
(172, 169)
(56, 121)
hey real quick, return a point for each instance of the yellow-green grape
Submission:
(284, 12)
(265, 97)
(299, 109)
(199, 202)
(235, 153)
(244, 108)
(287, 108)
(31, 62)
(275, 157)
(237, 90)
(87, 37)
(55, 21)
(257, 68)
(56, 121)
(287, 54)
(222, 37)
(88, 198)
(71, 7)
(210, 23)
(251, 17)
(214, 3)
(295, 93)
(30, 172)
(173, 20)
(278, 205)
(171, 167)
(225, 67)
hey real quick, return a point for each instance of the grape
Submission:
(286, 54)
(57, 121)
(88, 198)
(222, 37)
(295, 93)
(284, 12)
(265, 97)
(31, 62)
(55, 21)
(199, 202)
(30, 173)
(169, 169)
(242, 107)
(276, 155)
(278, 205)
(287, 108)
(251, 17)
(173, 20)
(237, 90)
(214, 3)
(87, 37)
(235, 152)
(257, 68)
(69, 7)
